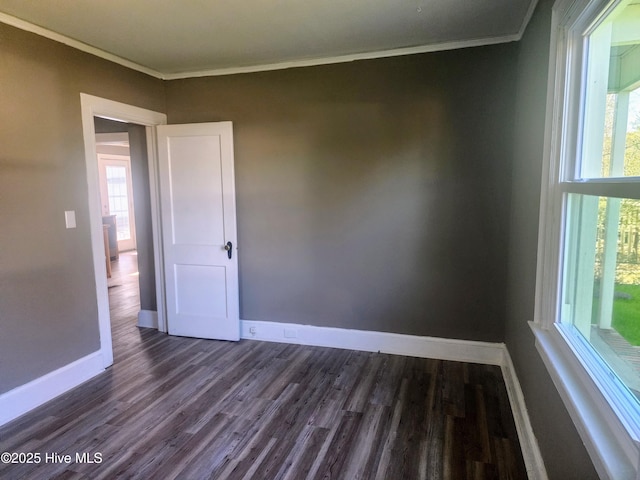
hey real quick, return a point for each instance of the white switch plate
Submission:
(70, 218)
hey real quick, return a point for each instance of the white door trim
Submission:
(120, 139)
(91, 107)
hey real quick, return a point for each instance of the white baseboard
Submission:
(368, 341)
(24, 398)
(528, 442)
(414, 346)
(148, 319)
(37, 392)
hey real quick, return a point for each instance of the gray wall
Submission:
(564, 454)
(142, 207)
(48, 315)
(104, 125)
(371, 195)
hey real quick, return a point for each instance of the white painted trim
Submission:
(122, 112)
(613, 453)
(44, 32)
(438, 47)
(29, 396)
(368, 341)
(549, 221)
(95, 106)
(25, 398)
(527, 18)
(597, 404)
(156, 228)
(396, 52)
(148, 319)
(415, 346)
(120, 139)
(528, 442)
(113, 150)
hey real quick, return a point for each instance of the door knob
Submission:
(229, 248)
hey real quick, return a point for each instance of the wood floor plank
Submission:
(332, 465)
(303, 454)
(174, 407)
(360, 394)
(185, 453)
(367, 448)
(385, 465)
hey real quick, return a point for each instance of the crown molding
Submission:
(396, 52)
(43, 32)
(527, 18)
(78, 45)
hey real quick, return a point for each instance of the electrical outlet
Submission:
(253, 330)
(290, 333)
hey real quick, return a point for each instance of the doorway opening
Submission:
(122, 160)
(140, 123)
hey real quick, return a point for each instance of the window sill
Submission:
(613, 452)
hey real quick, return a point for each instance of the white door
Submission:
(198, 212)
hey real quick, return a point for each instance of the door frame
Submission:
(92, 106)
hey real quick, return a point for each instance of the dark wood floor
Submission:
(184, 408)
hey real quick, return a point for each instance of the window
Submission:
(118, 193)
(587, 323)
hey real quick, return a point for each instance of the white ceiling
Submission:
(176, 39)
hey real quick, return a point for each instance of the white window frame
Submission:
(594, 398)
